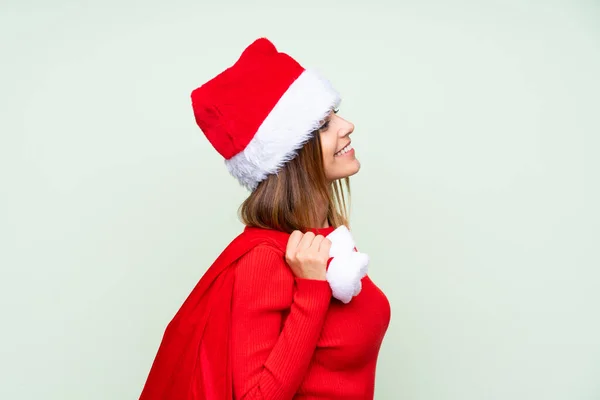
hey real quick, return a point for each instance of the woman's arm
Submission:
(270, 361)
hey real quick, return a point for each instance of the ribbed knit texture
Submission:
(292, 339)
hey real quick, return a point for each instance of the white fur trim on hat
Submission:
(289, 125)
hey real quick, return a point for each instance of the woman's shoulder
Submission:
(264, 240)
(263, 269)
(265, 233)
(267, 249)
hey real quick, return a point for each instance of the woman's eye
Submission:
(324, 126)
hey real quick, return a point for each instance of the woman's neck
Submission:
(324, 220)
(325, 223)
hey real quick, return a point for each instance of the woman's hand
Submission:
(307, 255)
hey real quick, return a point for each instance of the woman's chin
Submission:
(354, 167)
(350, 169)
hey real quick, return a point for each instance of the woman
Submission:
(287, 310)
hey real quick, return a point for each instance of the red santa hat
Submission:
(261, 110)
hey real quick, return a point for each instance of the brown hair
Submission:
(291, 199)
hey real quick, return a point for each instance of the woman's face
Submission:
(338, 155)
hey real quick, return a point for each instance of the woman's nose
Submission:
(349, 128)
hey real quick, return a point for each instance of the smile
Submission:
(344, 150)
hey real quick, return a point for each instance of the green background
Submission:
(477, 125)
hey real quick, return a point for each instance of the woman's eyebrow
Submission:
(326, 119)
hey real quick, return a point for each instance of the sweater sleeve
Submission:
(270, 357)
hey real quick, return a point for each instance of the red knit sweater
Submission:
(292, 339)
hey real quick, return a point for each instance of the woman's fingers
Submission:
(307, 255)
(325, 246)
(306, 241)
(293, 242)
(316, 243)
